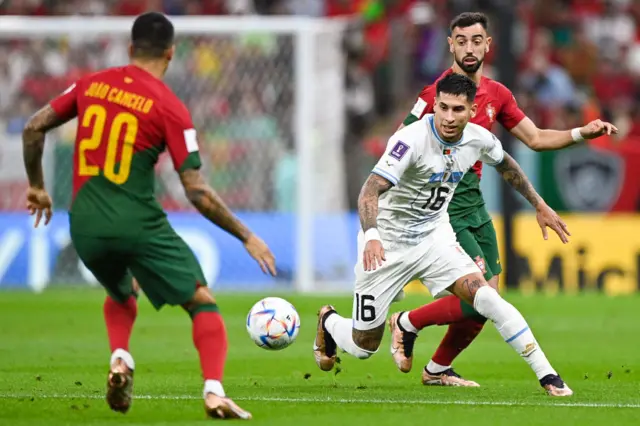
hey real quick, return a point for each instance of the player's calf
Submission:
(210, 339)
(367, 342)
(119, 317)
(512, 327)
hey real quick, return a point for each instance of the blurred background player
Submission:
(127, 117)
(405, 233)
(468, 43)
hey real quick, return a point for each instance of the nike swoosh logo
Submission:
(394, 350)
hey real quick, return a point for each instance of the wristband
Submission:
(576, 135)
(371, 234)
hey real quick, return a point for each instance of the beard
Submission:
(469, 69)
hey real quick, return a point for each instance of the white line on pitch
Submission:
(346, 401)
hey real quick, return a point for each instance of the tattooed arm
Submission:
(546, 217)
(514, 175)
(368, 200)
(33, 137)
(211, 206)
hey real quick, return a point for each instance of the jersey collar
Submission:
(442, 141)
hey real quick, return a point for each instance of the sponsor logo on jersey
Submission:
(399, 150)
(480, 262)
(446, 177)
(589, 180)
(491, 112)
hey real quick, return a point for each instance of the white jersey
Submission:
(425, 171)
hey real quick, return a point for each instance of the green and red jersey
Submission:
(495, 103)
(126, 119)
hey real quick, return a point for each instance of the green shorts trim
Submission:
(477, 236)
(162, 263)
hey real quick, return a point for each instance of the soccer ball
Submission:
(273, 323)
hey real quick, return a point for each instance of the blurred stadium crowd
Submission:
(580, 62)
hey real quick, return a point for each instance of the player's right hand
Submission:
(373, 255)
(259, 250)
(39, 203)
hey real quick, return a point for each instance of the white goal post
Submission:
(306, 84)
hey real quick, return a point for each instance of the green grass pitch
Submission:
(54, 357)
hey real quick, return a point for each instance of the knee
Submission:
(202, 300)
(485, 298)
(399, 297)
(494, 283)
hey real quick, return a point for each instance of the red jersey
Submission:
(495, 103)
(126, 119)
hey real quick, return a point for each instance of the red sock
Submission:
(119, 318)
(458, 337)
(210, 338)
(439, 312)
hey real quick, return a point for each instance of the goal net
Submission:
(267, 98)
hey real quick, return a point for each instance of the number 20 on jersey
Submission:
(121, 134)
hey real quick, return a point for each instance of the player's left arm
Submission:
(549, 140)
(181, 139)
(513, 174)
(523, 128)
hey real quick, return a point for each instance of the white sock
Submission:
(124, 356)
(513, 328)
(214, 387)
(340, 329)
(406, 323)
(435, 368)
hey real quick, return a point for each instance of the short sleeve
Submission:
(397, 158)
(492, 152)
(423, 105)
(66, 104)
(181, 137)
(510, 114)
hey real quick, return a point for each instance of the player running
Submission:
(406, 233)
(126, 118)
(470, 219)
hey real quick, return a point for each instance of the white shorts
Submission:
(437, 262)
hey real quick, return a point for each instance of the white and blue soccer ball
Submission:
(273, 323)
